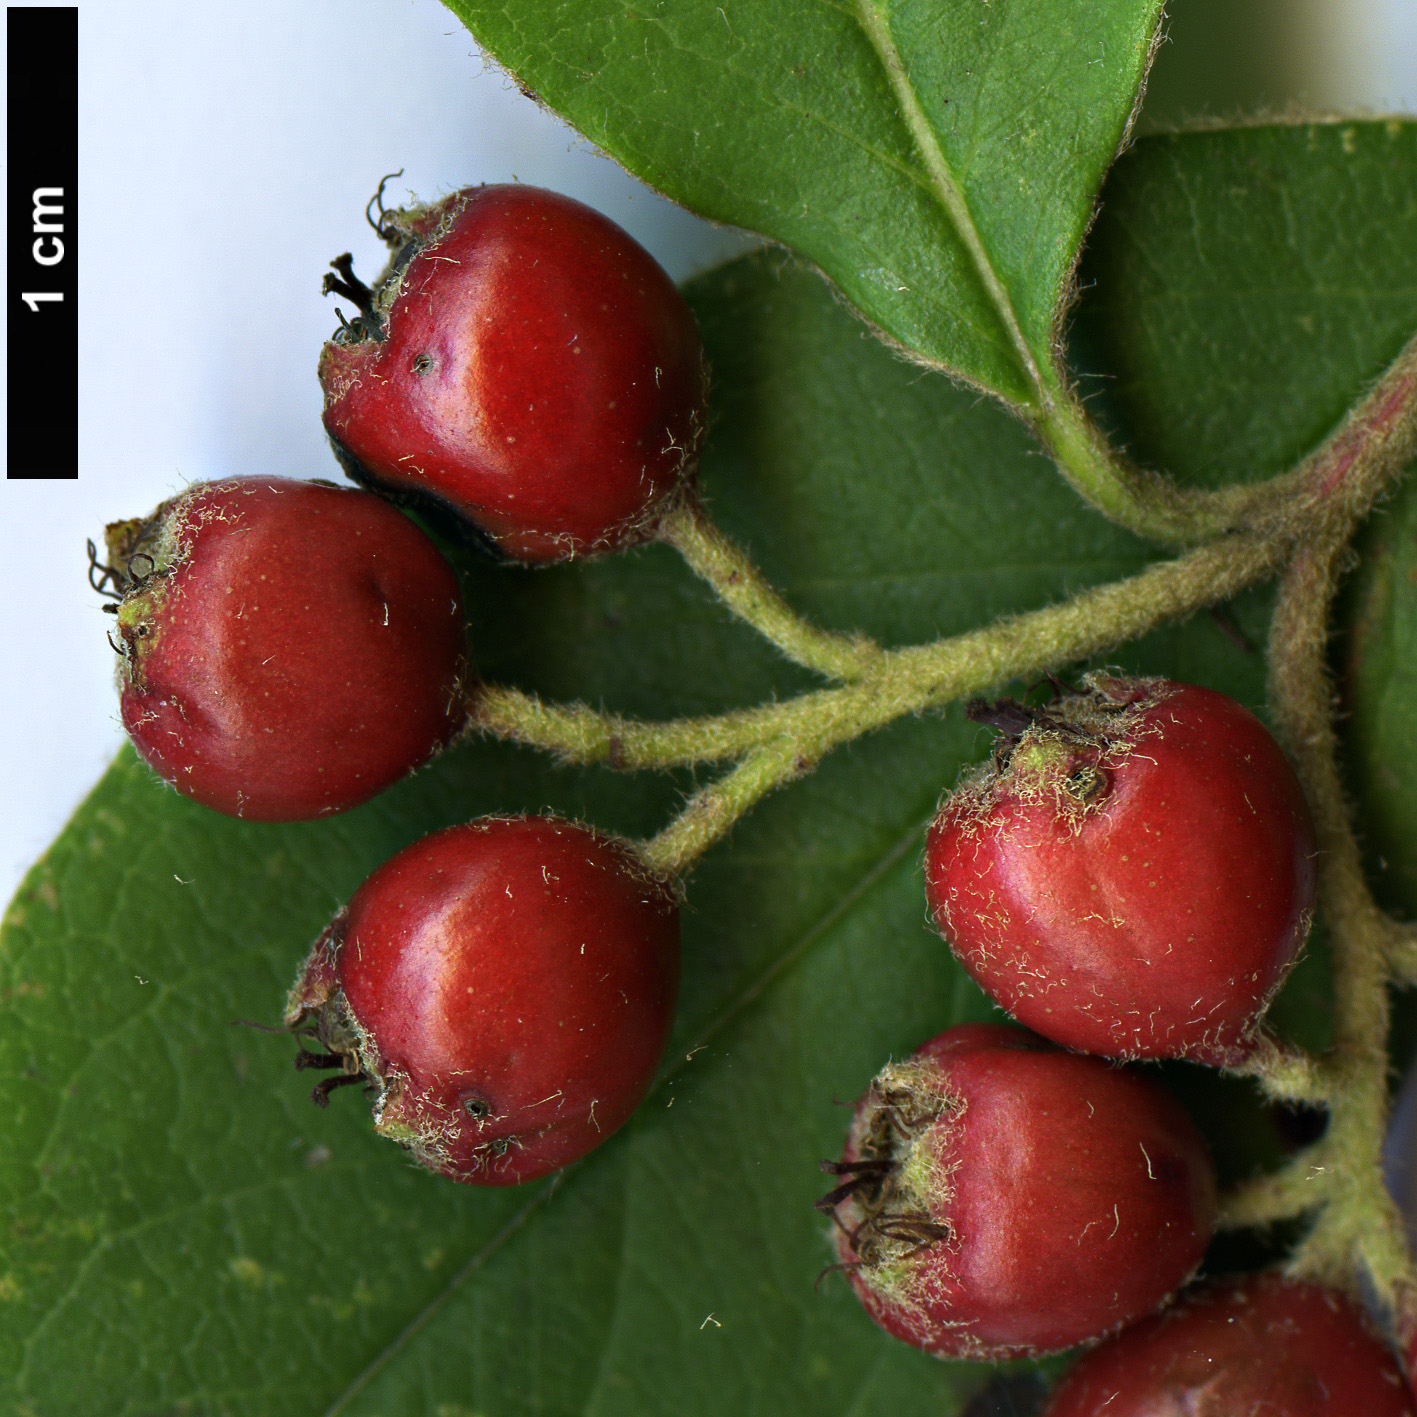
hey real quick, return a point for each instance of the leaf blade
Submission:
(876, 139)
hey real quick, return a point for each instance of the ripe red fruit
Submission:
(1003, 1198)
(288, 649)
(1259, 1344)
(1133, 875)
(507, 986)
(525, 363)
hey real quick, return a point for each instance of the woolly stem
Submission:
(743, 589)
(1144, 502)
(901, 682)
(1358, 1227)
(1287, 1074)
(1402, 950)
(1316, 506)
(1297, 1187)
(1380, 428)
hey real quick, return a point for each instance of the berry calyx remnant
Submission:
(1256, 1344)
(285, 649)
(1133, 874)
(524, 363)
(1000, 1197)
(505, 988)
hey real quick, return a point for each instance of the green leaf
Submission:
(182, 1232)
(1240, 306)
(1378, 683)
(937, 159)
(1232, 345)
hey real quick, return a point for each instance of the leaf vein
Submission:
(945, 185)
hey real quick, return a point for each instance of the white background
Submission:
(226, 154)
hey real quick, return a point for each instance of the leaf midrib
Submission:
(945, 187)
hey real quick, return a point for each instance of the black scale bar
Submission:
(43, 186)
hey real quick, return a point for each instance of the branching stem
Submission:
(778, 741)
(775, 742)
(1299, 525)
(1358, 1228)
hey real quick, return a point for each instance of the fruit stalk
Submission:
(1335, 485)
(746, 592)
(1359, 1227)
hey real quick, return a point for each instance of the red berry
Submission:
(288, 649)
(525, 363)
(1004, 1198)
(1133, 875)
(1257, 1345)
(507, 986)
